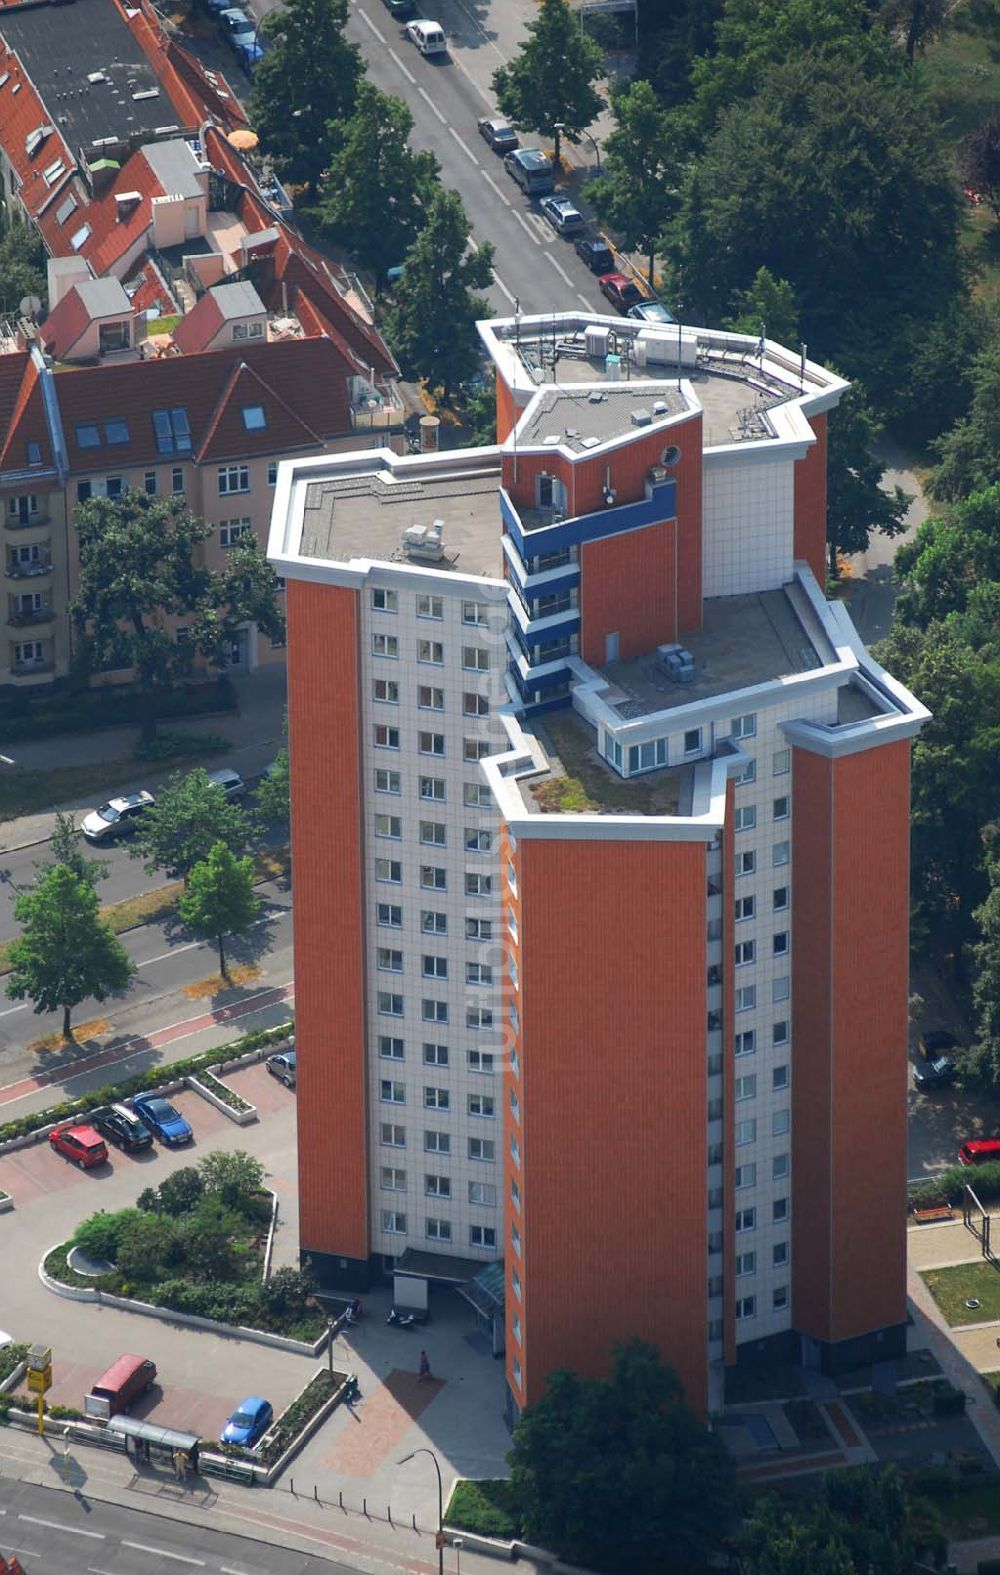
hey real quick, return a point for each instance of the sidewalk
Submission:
(255, 733)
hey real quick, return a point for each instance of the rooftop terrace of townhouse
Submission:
(601, 378)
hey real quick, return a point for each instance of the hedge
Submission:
(111, 706)
(489, 1508)
(111, 1093)
(950, 1186)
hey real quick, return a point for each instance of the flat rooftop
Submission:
(581, 420)
(364, 515)
(580, 782)
(744, 640)
(63, 46)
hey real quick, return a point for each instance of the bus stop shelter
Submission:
(145, 1442)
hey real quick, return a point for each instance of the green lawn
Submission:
(590, 785)
(486, 1507)
(965, 1512)
(951, 1287)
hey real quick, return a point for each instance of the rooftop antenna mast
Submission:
(802, 366)
(517, 342)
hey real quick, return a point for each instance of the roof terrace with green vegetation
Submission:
(579, 782)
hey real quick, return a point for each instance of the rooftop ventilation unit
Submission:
(590, 442)
(679, 663)
(550, 440)
(595, 397)
(596, 341)
(613, 368)
(641, 417)
(425, 542)
(660, 407)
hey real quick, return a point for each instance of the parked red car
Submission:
(81, 1143)
(620, 291)
(981, 1151)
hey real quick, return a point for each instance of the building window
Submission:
(430, 651)
(478, 885)
(779, 1254)
(390, 1048)
(393, 1136)
(781, 808)
(479, 1060)
(692, 741)
(437, 1186)
(746, 863)
(233, 478)
(515, 1194)
(232, 531)
(479, 929)
(484, 1236)
(779, 899)
(746, 998)
(780, 944)
(747, 774)
(433, 967)
(388, 826)
(745, 1087)
(430, 607)
(779, 853)
(177, 480)
(385, 645)
(475, 749)
(149, 483)
(437, 1099)
(477, 841)
(475, 659)
(475, 705)
(782, 762)
(482, 1149)
(272, 472)
(746, 1043)
(745, 953)
(745, 908)
(478, 1017)
(393, 1223)
(779, 1167)
(478, 973)
(390, 1005)
(390, 870)
(746, 1263)
(393, 1180)
(780, 988)
(437, 1142)
(746, 818)
(746, 1219)
(433, 877)
(746, 1132)
(432, 833)
(391, 1093)
(433, 1010)
(476, 613)
(433, 788)
(779, 1297)
(744, 1176)
(779, 1209)
(390, 960)
(431, 744)
(386, 690)
(779, 1077)
(779, 1033)
(743, 726)
(482, 1105)
(387, 781)
(780, 1122)
(483, 1193)
(476, 796)
(429, 698)
(384, 601)
(435, 1054)
(254, 416)
(746, 1307)
(432, 922)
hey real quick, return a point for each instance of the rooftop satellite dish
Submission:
(29, 306)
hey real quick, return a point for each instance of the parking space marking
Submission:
(369, 23)
(408, 74)
(54, 1525)
(464, 146)
(182, 1558)
(584, 301)
(431, 104)
(522, 221)
(557, 265)
(495, 188)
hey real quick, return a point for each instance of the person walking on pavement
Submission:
(425, 1367)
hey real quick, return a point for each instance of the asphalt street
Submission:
(73, 1534)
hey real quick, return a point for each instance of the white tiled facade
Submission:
(747, 523)
(425, 1056)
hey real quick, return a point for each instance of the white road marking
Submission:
(182, 1558)
(501, 286)
(408, 74)
(431, 104)
(53, 1525)
(495, 188)
(227, 1570)
(584, 301)
(370, 24)
(557, 265)
(464, 146)
(526, 227)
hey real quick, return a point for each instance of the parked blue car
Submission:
(160, 1115)
(248, 1422)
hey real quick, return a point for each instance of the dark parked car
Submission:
(501, 137)
(596, 254)
(935, 1043)
(934, 1074)
(401, 9)
(159, 1114)
(121, 1126)
(620, 290)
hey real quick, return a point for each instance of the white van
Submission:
(428, 37)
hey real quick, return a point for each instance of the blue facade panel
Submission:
(612, 521)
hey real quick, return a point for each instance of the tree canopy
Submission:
(432, 325)
(856, 502)
(376, 191)
(768, 303)
(306, 81)
(190, 816)
(620, 1475)
(272, 796)
(66, 953)
(858, 1522)
(220, 899)
(636, 193)
(969, 453)
(65, 846)
(548, 87)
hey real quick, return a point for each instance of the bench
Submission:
(928, 1216)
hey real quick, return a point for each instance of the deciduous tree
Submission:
(377, 191)
(66, 847)
(919, 21)
(432, 326)
(856, 501)
(767, 303)
(220, 899)
(65, 953)
(638, 190)
(306, 81)
(273, 796)
(190, 816)
(981, 163)
(969, 453)
(548, 87)
(986, 965)
(233, 1176)
(620, 1475)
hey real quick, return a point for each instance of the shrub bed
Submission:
(10, 1356)
(950, 1185)
(170, 745)
(222, 1091)
(294, 1418)
(112, 706)
(489, 1508)
(112, 1093)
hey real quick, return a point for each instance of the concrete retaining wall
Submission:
(243, 1116)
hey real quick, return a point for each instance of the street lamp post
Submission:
(440, 1530)
(597, 150)
(558, 127)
